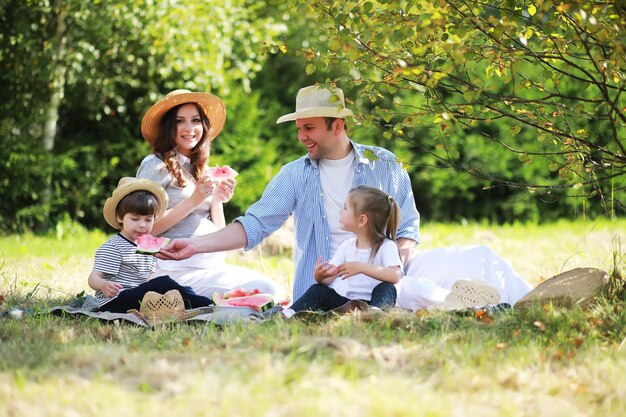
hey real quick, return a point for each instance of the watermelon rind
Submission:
(146, 251)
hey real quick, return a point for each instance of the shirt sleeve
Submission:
(273, 208)
(389, 255)
(108, 259)
(153, 168)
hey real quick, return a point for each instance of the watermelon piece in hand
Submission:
(149, 245)
(219, 174)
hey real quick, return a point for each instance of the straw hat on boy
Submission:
(127, 185)
(212, 105)
(315, 101)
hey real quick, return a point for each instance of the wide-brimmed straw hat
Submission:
(576, 287)
(158, 308)
(314, 101)
(467, 294)
(127, 185)
(212, 105)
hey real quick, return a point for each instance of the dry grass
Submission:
(544, 362)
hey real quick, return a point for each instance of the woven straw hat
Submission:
(212, 105)
(314, 101)
(576, 287)
(158, 308)
(469, 293)
(127, 185)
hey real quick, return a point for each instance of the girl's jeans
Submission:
(322, 297)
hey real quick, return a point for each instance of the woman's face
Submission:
(189, 129)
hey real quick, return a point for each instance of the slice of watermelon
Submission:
(149, 245)
(219, 174)
(259, 302)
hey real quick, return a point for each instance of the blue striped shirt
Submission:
(297, 190)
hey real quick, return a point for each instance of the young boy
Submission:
(120, 276)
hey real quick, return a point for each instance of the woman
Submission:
(180, 128)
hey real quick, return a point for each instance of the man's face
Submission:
(320, 142)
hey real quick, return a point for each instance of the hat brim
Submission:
(122, 191)
(212, 105)
(578, 286)
(336, 112)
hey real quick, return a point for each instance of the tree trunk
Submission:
(57, 89)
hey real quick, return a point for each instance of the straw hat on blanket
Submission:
(576, 287)
(158, 308)
(467, 294)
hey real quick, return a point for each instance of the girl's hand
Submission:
(348, 269)
(225, 190)
(110, 289)
(324, 270)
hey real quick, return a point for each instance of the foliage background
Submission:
(78, 76)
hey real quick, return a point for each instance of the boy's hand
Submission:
(110, 289)
(348, 269)
(324, 270)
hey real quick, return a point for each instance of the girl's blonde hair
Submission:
(382, 211)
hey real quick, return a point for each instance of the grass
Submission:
(546, 361)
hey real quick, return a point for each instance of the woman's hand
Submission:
(204, 189)
(225, 190)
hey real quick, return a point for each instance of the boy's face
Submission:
(136, 225)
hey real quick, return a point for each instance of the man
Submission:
(313, 188)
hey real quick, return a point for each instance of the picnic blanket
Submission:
(89, 307)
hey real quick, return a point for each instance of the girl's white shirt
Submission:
(360, 286)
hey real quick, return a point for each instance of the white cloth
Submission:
(431, 274)
(360, 286)
(336, 177)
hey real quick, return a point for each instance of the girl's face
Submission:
(189, 128)
(347, 218)
(136, 225)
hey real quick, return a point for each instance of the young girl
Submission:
(365, 267)
(120, 276)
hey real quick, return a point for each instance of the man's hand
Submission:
(178, 249)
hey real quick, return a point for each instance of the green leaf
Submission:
(310, 69)
(371, 155)
(515, 130)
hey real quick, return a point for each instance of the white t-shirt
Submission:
(360, 286)
(336, 176)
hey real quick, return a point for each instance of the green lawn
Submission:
(547, 361)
